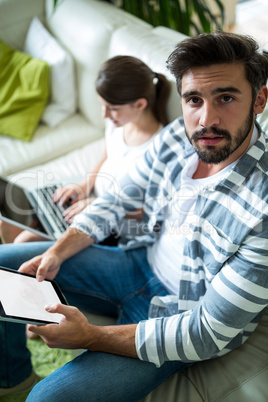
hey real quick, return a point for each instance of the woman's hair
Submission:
(124, 79)
(219, 48)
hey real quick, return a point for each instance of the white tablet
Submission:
(23, 298)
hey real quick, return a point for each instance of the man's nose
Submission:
(209, 115)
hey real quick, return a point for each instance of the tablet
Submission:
(23, 298)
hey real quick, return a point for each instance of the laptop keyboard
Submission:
(45, 196)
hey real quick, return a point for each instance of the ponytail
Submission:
(162, 86)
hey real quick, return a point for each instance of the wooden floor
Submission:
(252, 19)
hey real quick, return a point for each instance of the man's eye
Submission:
(227, 98)
(193, 101)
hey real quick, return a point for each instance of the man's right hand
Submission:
(42, 266)
(47, 265)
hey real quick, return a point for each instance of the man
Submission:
(203, 188)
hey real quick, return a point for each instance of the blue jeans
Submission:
(103, 280)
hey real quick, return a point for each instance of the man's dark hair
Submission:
(218, 48)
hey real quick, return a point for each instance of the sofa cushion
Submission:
(48, 144)
(70, 168)
(24, 83)
(40, 44)
(237, 376)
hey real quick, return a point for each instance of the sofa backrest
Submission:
(153, 47)
(94, 31)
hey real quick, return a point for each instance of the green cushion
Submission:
(24, 83)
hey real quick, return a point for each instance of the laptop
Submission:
(32, 209)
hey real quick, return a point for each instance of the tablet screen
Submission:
(23, 298)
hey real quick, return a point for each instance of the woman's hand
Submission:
(70, 193)
(76, 208)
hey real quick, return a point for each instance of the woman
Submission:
(133, 100)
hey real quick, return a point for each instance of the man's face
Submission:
(218, 111)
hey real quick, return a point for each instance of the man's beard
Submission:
(213, 155)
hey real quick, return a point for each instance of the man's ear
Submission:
(141, 103)
(261, 100)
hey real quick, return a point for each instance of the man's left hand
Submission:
(73, 331)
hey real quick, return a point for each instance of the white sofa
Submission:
(92, 31)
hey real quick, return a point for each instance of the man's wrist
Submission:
(116, 339)
(53, 255)
(70, 243)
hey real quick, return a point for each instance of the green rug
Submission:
(45, 361)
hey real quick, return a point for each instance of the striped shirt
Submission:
(223, 288)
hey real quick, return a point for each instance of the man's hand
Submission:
(48, 264)
(42, 266)
(75, 332)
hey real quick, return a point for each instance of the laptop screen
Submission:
(15, 207)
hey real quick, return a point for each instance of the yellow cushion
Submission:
(24, 83)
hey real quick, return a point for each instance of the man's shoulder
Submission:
(173, 139)
(260, 151)
(175, 128)
(253, 169)
(265, 136)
